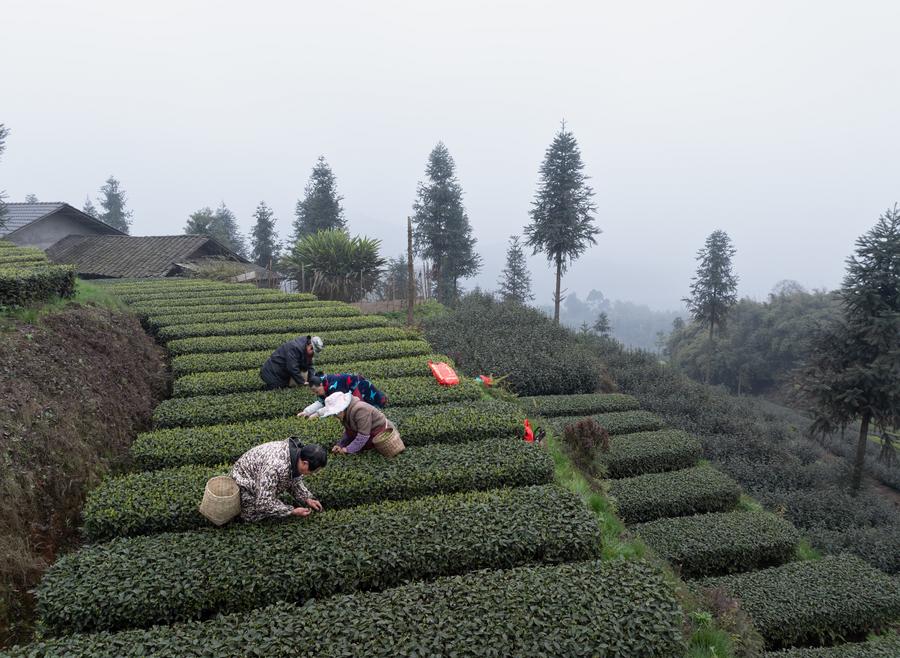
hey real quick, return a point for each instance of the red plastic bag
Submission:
(445, 375)
(529, 434)
(487, 380)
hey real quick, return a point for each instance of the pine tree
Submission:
(515, 281)
(443, 235)
(713, 288)
(4, 133)
(263, 238)
(320, 209)
(89, 208)
(112, 201)
(220, 225)
(562, 222)
(31, 198)
(852, 373)
(601, 324)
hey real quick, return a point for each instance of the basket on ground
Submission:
(221, 500)
(388, 443)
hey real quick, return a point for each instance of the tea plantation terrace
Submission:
(692, 515)
(468, 517)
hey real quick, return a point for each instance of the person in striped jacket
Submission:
(357, 385)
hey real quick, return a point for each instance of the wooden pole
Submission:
(410, 274)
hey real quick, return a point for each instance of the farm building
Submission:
(129, 256)
(41, 225)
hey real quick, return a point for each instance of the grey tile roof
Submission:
(132, 256)
(22, 214)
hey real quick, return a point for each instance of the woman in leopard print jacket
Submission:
(267, 471)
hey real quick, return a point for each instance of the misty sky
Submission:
(778, 122)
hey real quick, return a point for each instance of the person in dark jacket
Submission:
(344, 382)
(292, 363)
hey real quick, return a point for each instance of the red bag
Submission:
(445, 375)
(529, 434)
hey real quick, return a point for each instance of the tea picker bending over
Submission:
(292, 363)
(266, 471)
(362, 423)
(344, 382)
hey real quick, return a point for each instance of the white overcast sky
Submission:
(778, 122)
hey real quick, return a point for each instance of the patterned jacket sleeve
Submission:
(300, 491)
(267, 496)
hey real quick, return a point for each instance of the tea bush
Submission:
(721, 543)
(616, 422)
(257, 405)
(164, 316)
(584, 404)
(25, 285)
(167, 500)
(237, 381)
(187, 364)
(622, 608)
(214, 444)
(183, 297)
(814, 602)
(676, 493)
(207, 344)
(649, 452)
(885, 646)
(316, 325)
(507, 339)
(283, 312)
(141, 581)
(186, 302)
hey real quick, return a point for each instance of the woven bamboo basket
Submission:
(221, 500)
(388, 443)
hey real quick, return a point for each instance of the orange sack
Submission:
(445, 375)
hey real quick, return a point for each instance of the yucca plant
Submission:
(333, 265)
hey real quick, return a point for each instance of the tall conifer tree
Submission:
(89, 208)
(320, 209)
(562, 213)
(263, 238)
(112, 201)
(443, 235)
(515, 280)
(219, 224)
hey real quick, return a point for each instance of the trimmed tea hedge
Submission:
(211, 344)
(649, 452)
(22, 286)
(314, 309)
(814, 602)
(257, 405)
(238, 291)
(886, 646)
(187, 303)
(727, 542)
(140, 581)
(676, 493)
(22, 261)
(237, 381)
(248, 327)
(187, 364)
(167, 500)
(560, 611)
(251, 312)
(616, 422)
(214, 444)
(584, 403)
